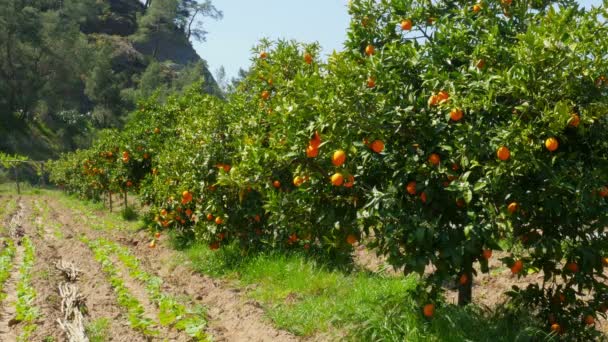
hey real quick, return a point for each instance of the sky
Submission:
(245, 22)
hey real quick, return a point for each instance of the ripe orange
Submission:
(406, 25)
(157, 235)
(460, 203)
(463, 280)
(370, 50)
(551, 144)
(307, 58)
(574, 121)
(605, 261)
(476, 8)
(503, 153)
(298, 180)
(443, 96)
(428, 310)
(276, 184)
(257, 218)
(337, 179)
(263, 55)
(186, 197)
(480, 64)
(152, 244)
(517, 267)
(188, 212)
(556, 328)
(371, 82)
(126, 157)
(572, 267)
(512, 207)
(351, 239)
(338, 158)
(603, 192)
(377, 146)
(411, 188)
(487, 254)
(434, 159)
(455, 167)
(219, 220)
(423, 197)
(129, 184)
(265, 95)
(214, 246)
(456, 114)
(209, 217)
(163, 212)
(589, 320)
(293, 238)
(433, 100)
(350, 182)
(311, 151)
(146, 156)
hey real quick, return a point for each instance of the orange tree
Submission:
(494, 119)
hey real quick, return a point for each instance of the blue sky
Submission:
(245, 22)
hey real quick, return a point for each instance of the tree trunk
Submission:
(110, 199)
(126, 203)
(17, 180)
(465, 291)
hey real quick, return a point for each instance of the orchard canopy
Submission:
(444, 131)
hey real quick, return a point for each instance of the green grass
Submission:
(302, 295)
(7, 255)
(97, 330)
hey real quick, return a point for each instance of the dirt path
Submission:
(232, 317)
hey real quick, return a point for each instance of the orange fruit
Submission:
(603, 192)
(351, 239)
(311, 151)
(556, 328)
(293, 238)
(443, 96)
(456, 114)
(265, 95)
(146, 156)
(574, 121)
(371, 82)
(463, 280)
(221, 236)
(126, 157)
(157, 235)
(129, 184)
(276, 184)
(337, 179)
(455, 167)
(377, 146)
(572, 267)
(156, 130)
(460, 203)
(298, 180)
(589, 320)
(487, 254)
(476, 8)
(209, 217)
(512, 207)
(257, 218)
(428, 310)
(163, 212)
(152, 244)
(480, 64)
(188, 212)
(263, 55)
(307, 58)
(605, 261)
(186, 197)
(214, 246)
(434, 159)
(551, 144)
(411, 188)
(370, 50)
(503, 153)
(350, 182)
(517, 267)
(433, 100)
(338, 158)
(423, 197)
(406, 25)
(219, 220)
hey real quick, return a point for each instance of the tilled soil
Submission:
(232, 317)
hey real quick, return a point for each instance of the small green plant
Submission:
(135, 310)
(6, 263)
(26, 311)
(97, 330)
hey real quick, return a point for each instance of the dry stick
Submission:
(71, 302)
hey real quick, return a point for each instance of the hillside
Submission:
(74, 67)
